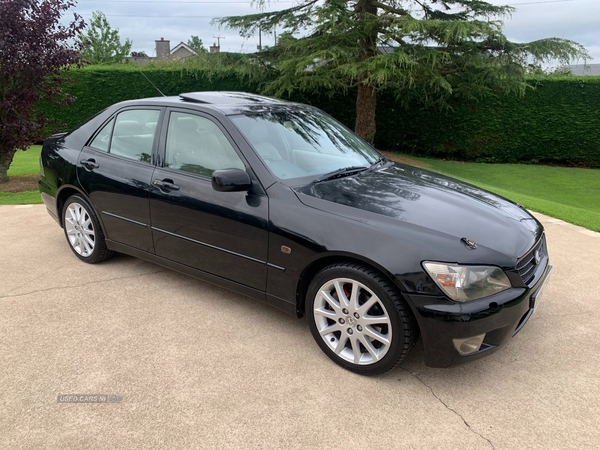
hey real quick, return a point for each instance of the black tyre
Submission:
(83, 231)
(359, 319)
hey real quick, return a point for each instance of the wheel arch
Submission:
(325, 260)
(61, 197)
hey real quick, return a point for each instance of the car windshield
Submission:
(300, 144)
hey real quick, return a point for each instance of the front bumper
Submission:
(499, 317)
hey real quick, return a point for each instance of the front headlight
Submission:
(466, 283)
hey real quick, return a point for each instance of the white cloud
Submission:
(146, 21)
(577, 20)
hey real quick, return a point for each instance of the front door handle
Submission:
(89, 164)
(167, 185)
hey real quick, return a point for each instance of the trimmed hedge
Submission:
(557, 122)
(97, 87)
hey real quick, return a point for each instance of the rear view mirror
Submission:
(231, 180)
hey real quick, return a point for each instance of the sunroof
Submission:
(226, 98)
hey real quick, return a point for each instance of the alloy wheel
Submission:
(352, 321)
(80, 229)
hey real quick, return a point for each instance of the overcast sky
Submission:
(144, 21)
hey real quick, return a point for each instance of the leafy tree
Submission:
(34, 50)
(196, 43)
(101, 44)
(426, 51)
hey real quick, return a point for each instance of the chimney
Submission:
(215, 48)
(163, 49)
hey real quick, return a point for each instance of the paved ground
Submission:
(200, 367)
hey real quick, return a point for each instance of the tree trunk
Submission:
(366, 99)
(6, 157)
(366, 104)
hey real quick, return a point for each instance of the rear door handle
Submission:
(89, 164)
(167, 185)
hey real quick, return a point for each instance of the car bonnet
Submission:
(430, 202)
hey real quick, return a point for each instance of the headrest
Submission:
(258, 132)
(128, 128)
(186, 125)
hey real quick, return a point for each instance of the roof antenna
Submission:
(152, 83)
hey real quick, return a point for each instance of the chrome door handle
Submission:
(165, 184)
(89, 164)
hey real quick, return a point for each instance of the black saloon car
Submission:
(280, 202)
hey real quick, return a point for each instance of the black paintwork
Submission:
(392, 217)
(231, 180)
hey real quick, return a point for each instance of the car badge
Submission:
(471, 244)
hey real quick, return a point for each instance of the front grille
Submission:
(527, 264)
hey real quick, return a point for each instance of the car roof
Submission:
(228, 102)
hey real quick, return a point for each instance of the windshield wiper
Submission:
(340, 173)
(378, 163)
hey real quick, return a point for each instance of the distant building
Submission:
(163, 52)
(182, 51)
(139, 58)
(585, 69)
(163, 48)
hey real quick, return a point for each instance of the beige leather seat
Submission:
(259, 138)
(223, 154)
(199, 146)
(130, 141)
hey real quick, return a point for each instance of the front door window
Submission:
(197, 145)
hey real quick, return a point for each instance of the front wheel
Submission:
(359, 319)
(83, 231)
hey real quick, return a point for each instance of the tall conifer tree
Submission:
(418, 50)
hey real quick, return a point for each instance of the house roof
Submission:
(585, 69)
(182, 45)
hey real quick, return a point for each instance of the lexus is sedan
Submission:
(280, 202)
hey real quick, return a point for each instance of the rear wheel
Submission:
(359, 319)
(83, 231)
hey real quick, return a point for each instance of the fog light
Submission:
(469, 345)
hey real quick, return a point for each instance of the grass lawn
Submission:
(566, 193)
(20, 198)
(24, 163)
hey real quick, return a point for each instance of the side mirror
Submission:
(231, 180)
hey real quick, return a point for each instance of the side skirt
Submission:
(279, 303)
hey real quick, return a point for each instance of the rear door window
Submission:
(130, 134)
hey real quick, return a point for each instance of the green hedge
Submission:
(557, 122)
(97, 87)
